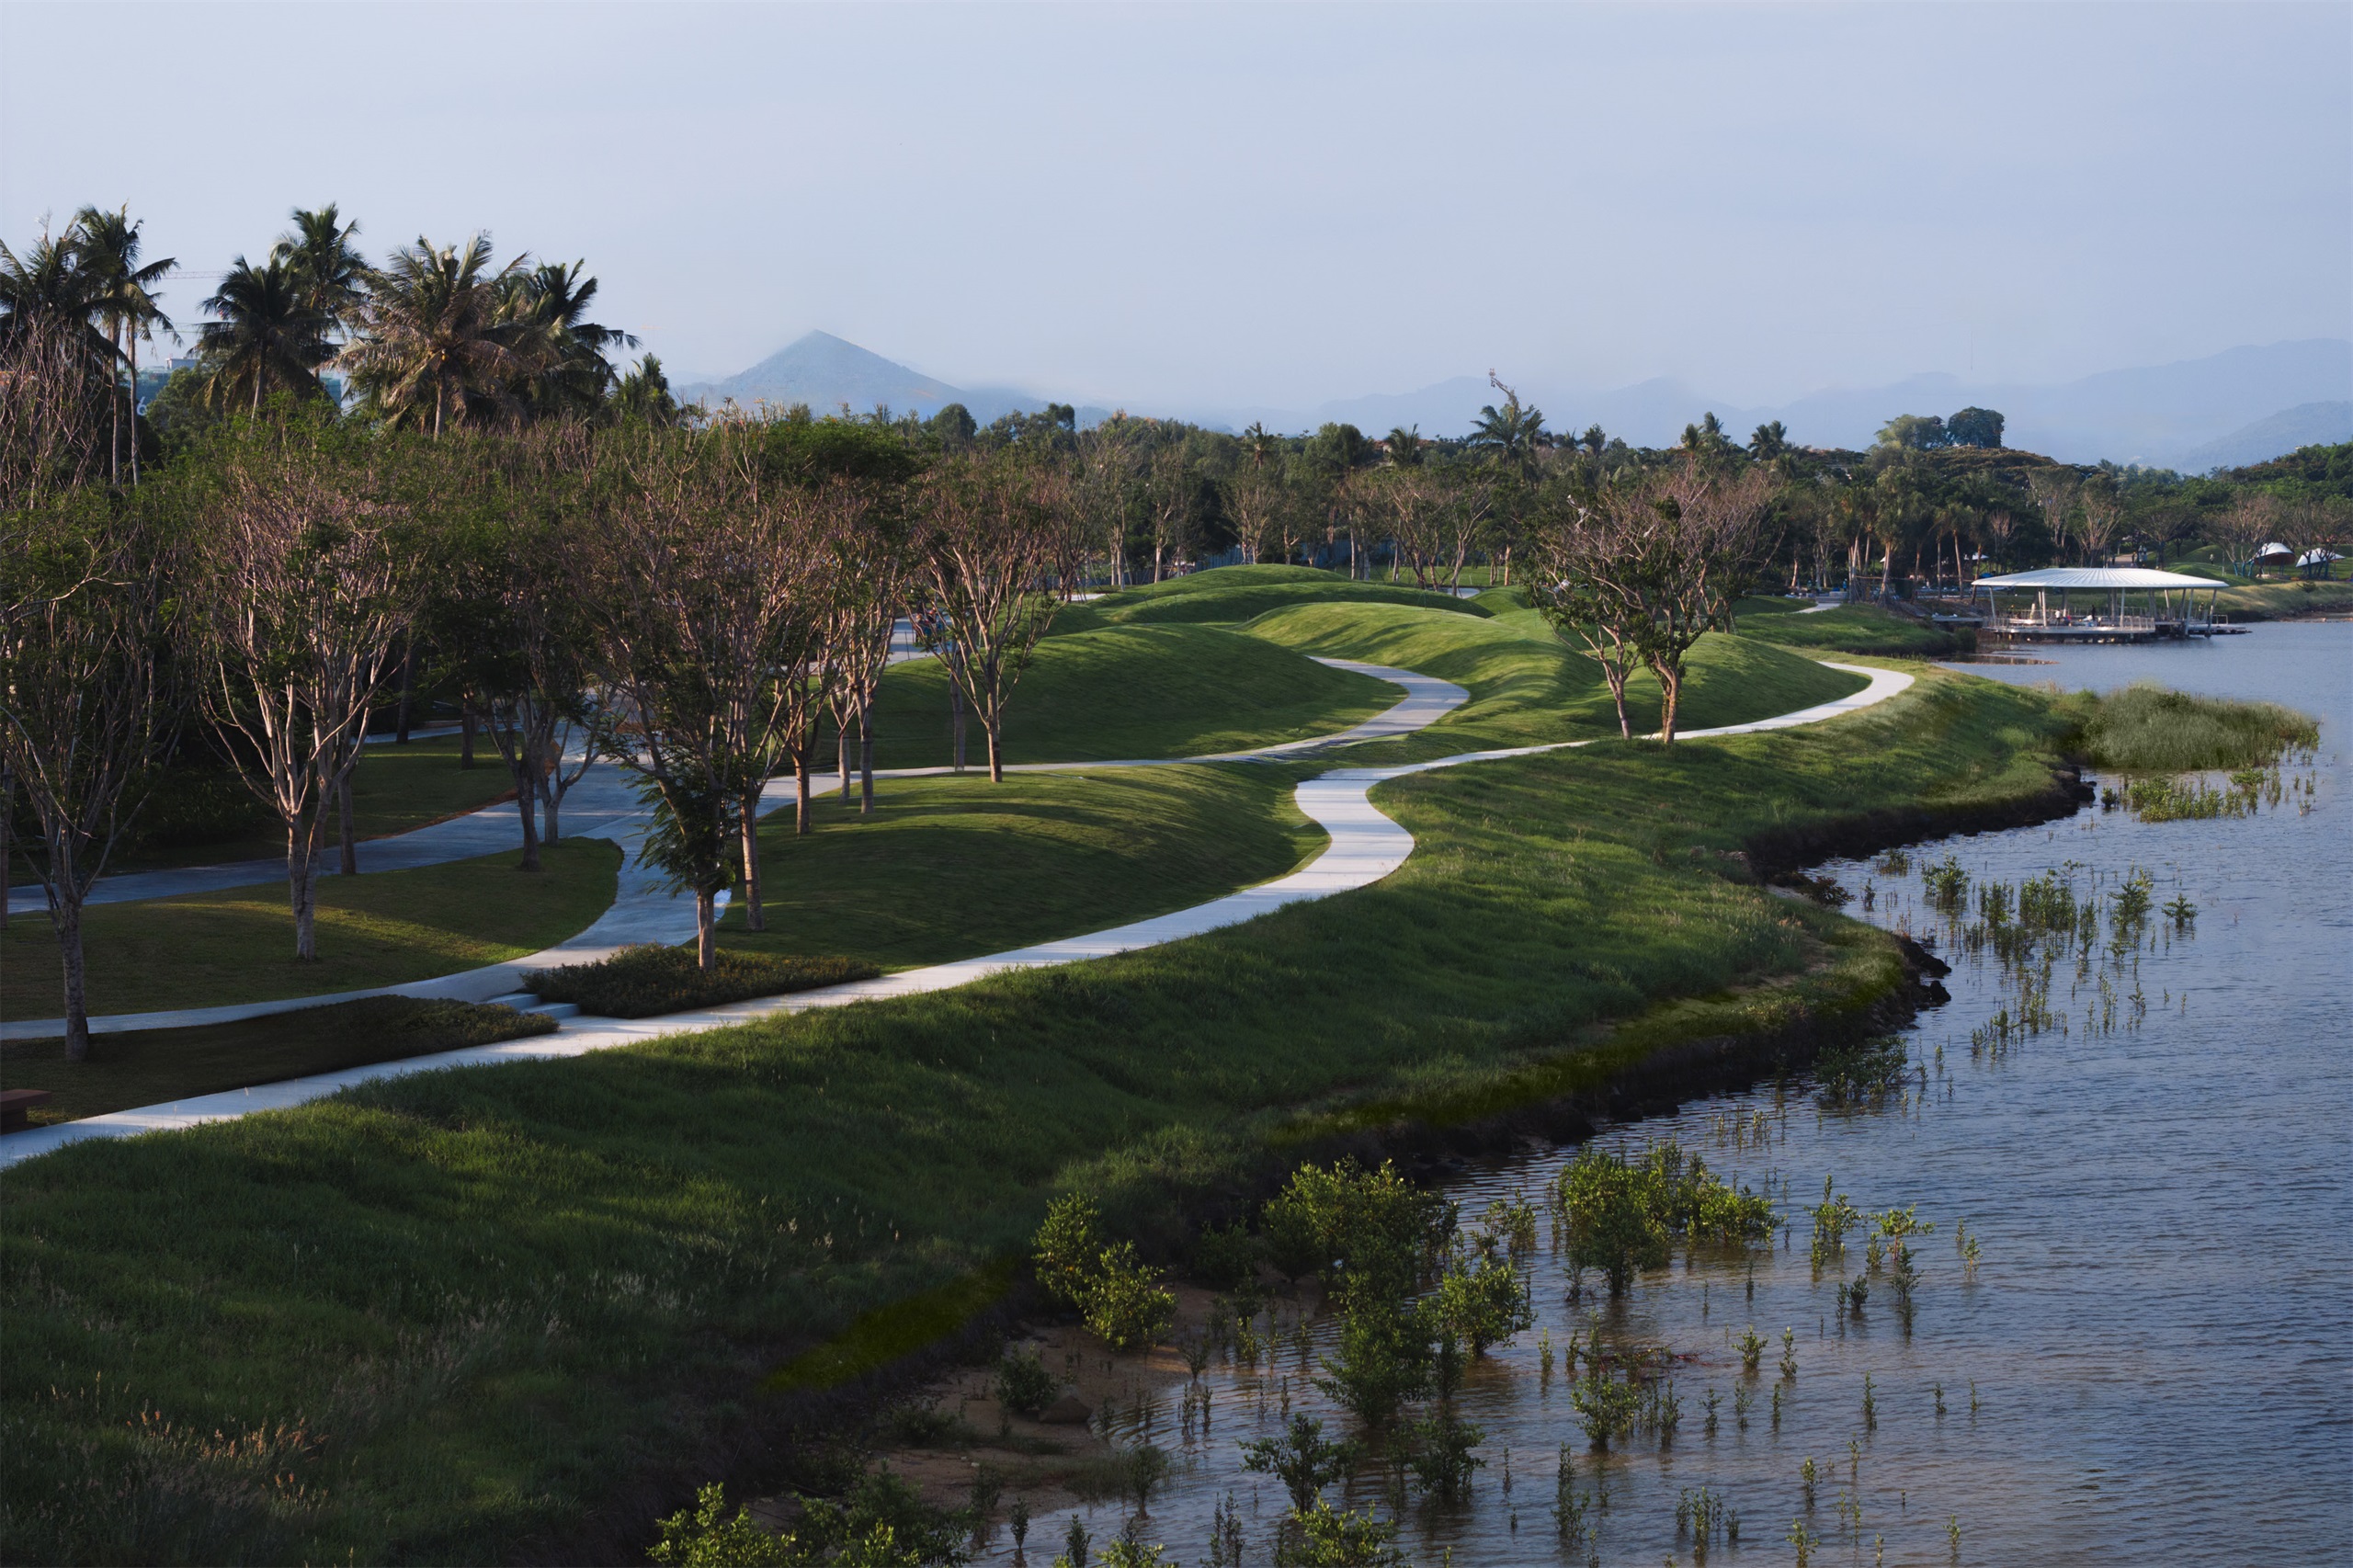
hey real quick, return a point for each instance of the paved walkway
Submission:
(644, 910)
(1366, 846)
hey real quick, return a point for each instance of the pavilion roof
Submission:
(2097, 577)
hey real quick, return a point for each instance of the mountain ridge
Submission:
(2192, 413)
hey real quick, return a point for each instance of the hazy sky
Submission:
(1274, 204)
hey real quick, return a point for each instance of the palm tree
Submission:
(329, 269)
(1510, 434)
(119, 297)
(268, 337)
(550, 303)
(1406, 446)
(434, 344)
(644, 394)
(47, 285)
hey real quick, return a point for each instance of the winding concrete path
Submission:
(643, 908)
(1366, 846)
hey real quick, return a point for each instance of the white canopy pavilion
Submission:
(2169, 604)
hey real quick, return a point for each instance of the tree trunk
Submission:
(706, 929)
(1616, 675)
(68, 914)
(550, 798)
(465, 736)
(866, 753)
(134, 409)
(755, 919)
(350, 862)
(1670, 692)
(841, 741)
(527, 802)
(302, 885)
(408, 690)
(996, 760)
(800, 796)
(956, 718)
(7, 819)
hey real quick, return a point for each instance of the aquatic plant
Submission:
(1606, 1406)
(1948, 885)
(1568, 1507)
(1368, 1234)
(1789, 1353)
(1302, 1458)
(1804, 1539)
(1512, 1221)
(1480, 1302)
(1225, 1534)
(1860, 1074)
(1807, 1477)
(1383, 1360)
(1833, 1217)
(1438, 1450)
(1752, 1349)
(1871, 1406)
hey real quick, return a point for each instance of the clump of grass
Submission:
(638, 983)
(2146, 729)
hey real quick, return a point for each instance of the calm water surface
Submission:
(2159, 1336)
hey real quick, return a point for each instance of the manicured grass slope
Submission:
(494, 1299)
(2277, 601)
(1529, 687)
(949, 867)
(1131, 691)
(1853, 628)
(145, 1067)
(379, 929)
(1233, 594)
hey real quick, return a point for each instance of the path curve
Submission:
(1366, 846)
(644, 909)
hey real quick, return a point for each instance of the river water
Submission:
(2151, 1360)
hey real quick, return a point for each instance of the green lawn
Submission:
(2277, 601)
(1131, 691)
(1854, 629)
(951, 867)
(1231, 594)
(495, 1311)
(382, 928)
(396, 789)
(141, 1067)
(1529, 687)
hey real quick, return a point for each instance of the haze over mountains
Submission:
(2240, 406)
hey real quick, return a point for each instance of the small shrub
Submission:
(1383, 1360)
(1480, 1304)
(1225, 1259)
(706, 1538)
(1301, 1460)
(1066, 1249)
(644, 981)
(1439, 1450)
(920, 1426)
(1371, 1234)
(1125, 1304)
(1322, 1536)
(1023, 1384)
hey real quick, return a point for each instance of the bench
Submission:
(14, 1103)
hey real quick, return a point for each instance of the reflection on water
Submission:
(2151, 1360)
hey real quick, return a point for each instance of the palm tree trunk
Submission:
(135, 410)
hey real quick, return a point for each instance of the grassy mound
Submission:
(2279, 601)
(947, 867)
(382, 928)
(1854, 629)
(516, 1309)
(1529, 687)
(1234, 593)
(2146, 729)
(143, 1067)
(641, 981)
(1132, 692)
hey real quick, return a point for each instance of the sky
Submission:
(1274, 204)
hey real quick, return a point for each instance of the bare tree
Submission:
(2053, 490)
(1646, 568)
(1411, 506)
(698, 580)
(1168, 489)
(871, 567)
(305, 580)
(88, 706)
(984, 536)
